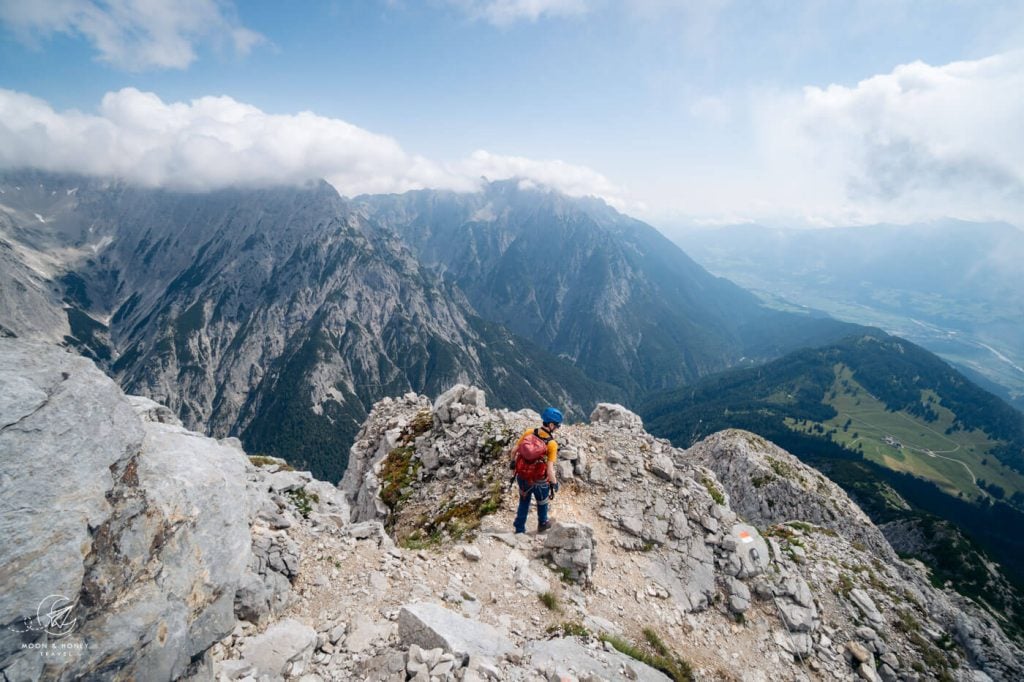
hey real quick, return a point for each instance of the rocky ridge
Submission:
(425, 584)
(184, 558)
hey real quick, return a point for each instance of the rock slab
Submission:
(141, 526)
(431, 626)
(284, 649)
(568, 654)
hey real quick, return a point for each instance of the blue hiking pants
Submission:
(542, 492)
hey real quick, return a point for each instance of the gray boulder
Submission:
(283, 650)
(663, 467)
(571, 546)
(750, 550)
(616, 415)
(866, 606)
(432, 626)
(457, 401)
(140, 528)
(739, 595)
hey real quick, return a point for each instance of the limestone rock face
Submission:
(617, 415)
(768, 485)
(28, 305)
(457, 401)
(140, 527)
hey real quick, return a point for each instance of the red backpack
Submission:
(532, 457)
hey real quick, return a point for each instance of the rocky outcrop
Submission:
(734, 529)
(768, 485)
(571, 547)
(139, 528)
(378, 437)
(616, 415)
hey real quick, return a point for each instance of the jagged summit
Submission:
(182, 557)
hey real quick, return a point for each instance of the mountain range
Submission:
(280, 315)
(603, 290)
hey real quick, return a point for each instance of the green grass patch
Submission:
(418, 539)
(397, 472)
(563, 573)
(303, 501)
(844, 585)
(457, 521)
(713, 490)
(935, 659)
(420, 424)
(905, 622)
(782, 469)
(657, 655)
(568, 629)
(550, 600)
(264, 461)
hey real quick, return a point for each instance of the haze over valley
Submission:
(956, 288)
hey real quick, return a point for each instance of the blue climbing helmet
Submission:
(551, 416)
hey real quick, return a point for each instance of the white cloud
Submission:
(919, 143)
(217, 142)
(575, 181)
(506, 12)
(133, 34)
(207, 143)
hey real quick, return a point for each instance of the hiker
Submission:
(533, 460)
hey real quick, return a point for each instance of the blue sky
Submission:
(787, 112)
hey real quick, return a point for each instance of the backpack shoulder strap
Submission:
(550, 438)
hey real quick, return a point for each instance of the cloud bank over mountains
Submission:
(918, 143)
(215, 142)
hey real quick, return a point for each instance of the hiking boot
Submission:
(544, 526)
